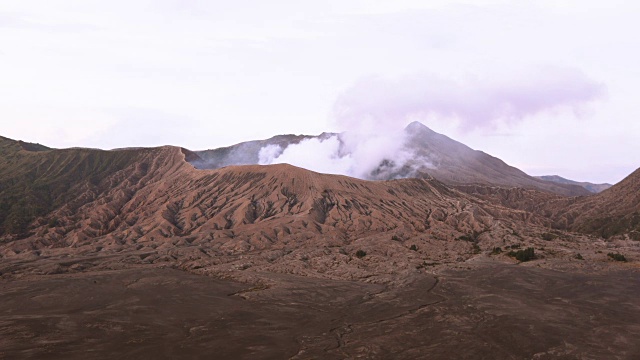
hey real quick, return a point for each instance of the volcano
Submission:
(137, 252)
(426, 153)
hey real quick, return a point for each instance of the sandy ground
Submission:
(492, 310)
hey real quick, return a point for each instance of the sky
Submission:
(547, 86)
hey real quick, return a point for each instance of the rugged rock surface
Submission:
(35, 180)
(286, 218)
(100, 249)
(615, 211)
(86, 201)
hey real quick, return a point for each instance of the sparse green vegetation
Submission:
(496, 251)
(523, 255)
(360, 254)
(617, 257)
(476, 248)
(548, 236)
(413, 247)
(53, 222)
(473, 237)
(609, 226)
(465, 238)
(578, 256)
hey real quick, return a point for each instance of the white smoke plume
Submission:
(361, 154)
(374, 112)
(321, 155)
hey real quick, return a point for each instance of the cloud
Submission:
(20, 21)
(382, 104)
(321, 155)
(375, 110)
(360, 155)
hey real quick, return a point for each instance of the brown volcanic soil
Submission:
(237, 222)
(279, 217)
(116, 268)
(488, 310)
(612, 214)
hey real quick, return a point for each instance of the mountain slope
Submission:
(594, 188)
(151, 206)
(245, 153)
(431, 154)
(33, 183)
(614, 211)
(152, 201)
(106, 245)
(456, 164)
(158, 194)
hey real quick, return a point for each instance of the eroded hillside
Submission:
(155, 206)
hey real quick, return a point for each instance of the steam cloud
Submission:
(349, 153)
(374, 111)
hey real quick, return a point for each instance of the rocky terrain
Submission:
(136, 253)
(613, 212)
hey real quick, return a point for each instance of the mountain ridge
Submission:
(614, 211)
(269, 217)
(432, 153)
(468, 166)
(46, 194)
(594, 188)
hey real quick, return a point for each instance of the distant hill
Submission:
(432, 154)
(457, 164)
(594, 188)
(245, 153)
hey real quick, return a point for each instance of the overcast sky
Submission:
(550, 87)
